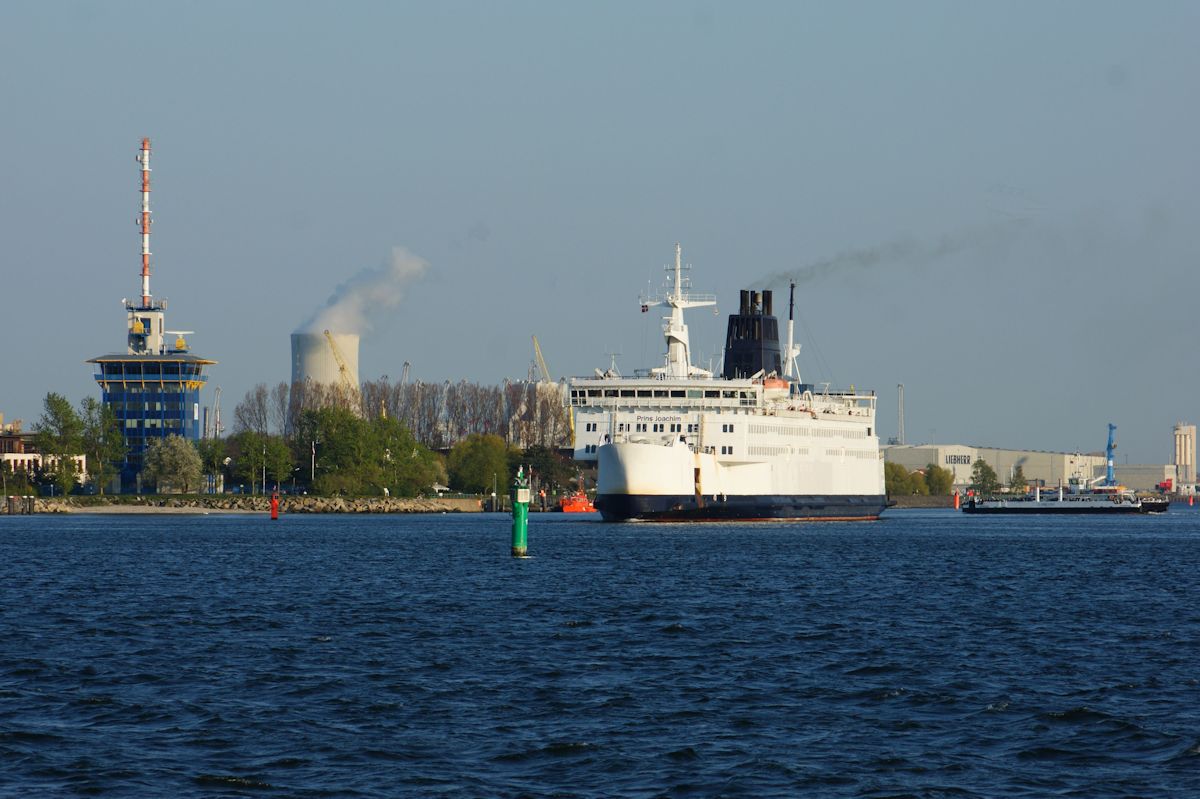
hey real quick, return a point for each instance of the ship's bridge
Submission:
(641, 393)
(612, 393)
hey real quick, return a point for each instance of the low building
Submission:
(18, 453)
(1145, 477)
(1048, 468)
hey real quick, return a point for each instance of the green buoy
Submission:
(520, 511)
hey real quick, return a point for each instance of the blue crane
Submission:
(1109, 478)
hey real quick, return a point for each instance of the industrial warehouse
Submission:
(1055, 468)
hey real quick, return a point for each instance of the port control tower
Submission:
(153, 388)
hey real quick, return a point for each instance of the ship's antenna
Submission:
(143, 158)
(678, 362)
(612, 364)
(678, 271)
(790, 369)
(900, 432)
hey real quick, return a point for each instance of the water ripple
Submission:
(927, 655)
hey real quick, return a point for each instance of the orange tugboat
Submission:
(576, 503)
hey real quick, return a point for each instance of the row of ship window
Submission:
(591, 448)
(678, 393)
(836, 453)
(786, 430)
(656, 427)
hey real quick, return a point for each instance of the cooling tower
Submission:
(314, 359)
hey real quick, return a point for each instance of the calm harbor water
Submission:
(926, 655)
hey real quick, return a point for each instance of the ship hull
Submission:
(1155, 504)
(1066, 508)
(752, 507)
(671, 482)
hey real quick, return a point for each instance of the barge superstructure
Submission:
(676, 442)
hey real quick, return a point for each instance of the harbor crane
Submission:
(214, 428)
(1110, 478)
(541, 362)
(343, 371)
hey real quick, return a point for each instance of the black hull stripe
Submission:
(657, 507)
(1096, 511)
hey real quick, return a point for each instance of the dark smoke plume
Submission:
(903, 252)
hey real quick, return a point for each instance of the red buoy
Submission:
(274, 506)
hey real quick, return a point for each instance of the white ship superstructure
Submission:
(676, 442)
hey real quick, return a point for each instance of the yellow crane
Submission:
(343, 371)
(541, 362)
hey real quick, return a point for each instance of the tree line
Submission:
(336, 448)
(61, 434)
(333, 450)
(937, 481)
(438, 415)
(985, 481)
(934, 481)
(384, 438)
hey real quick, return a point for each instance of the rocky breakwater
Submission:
(232, 503)
(374, 505)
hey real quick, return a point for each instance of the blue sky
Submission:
(993, 203)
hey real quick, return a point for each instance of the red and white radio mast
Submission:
(143, 157)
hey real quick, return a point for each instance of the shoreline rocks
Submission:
(233, 503)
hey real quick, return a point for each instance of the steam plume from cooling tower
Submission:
(353, 303)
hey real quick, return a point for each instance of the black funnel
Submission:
(752, 338)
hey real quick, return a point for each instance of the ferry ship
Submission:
(1101, 496)
(1093, 501)
(676, 442)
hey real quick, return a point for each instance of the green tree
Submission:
(895, 480)
(916, 484)
(101, 441)
(478, 462)
(212, 455)
(940, 481)
(407, 468)
(1018, 484)
(983, 479)
(344, 462)
(246, 451)
(279, 460)
(58, 436)
(550, 470)
(171, 463)
(365, 457)
(13, 482)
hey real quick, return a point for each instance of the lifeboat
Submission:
(576, 503)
